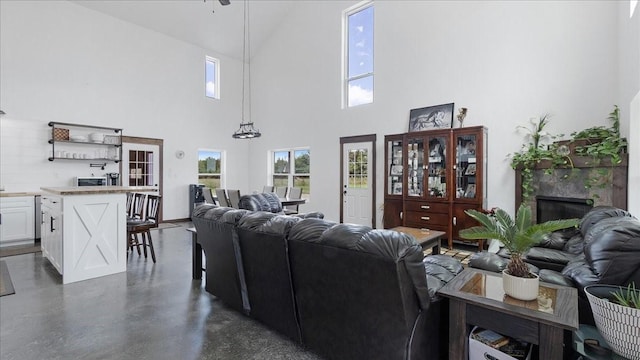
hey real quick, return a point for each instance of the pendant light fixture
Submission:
(246, 130)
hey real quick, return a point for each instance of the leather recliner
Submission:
(223, 256)
(365, 294)
(263, 244)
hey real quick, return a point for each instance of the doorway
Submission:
(141, 164)
(358, 180)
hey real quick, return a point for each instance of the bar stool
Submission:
(143, 227)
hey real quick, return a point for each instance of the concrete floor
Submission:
(153, 311)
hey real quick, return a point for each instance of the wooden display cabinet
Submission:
(442, 175)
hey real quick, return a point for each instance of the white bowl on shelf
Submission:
(80, 138)
(96, 137)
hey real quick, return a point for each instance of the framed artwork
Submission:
(471, 169)
(396, 169)
(431, 117)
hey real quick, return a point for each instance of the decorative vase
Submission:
(520, 288)
(619, 325)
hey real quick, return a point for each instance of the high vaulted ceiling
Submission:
(206, 24)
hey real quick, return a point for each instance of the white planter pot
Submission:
(619, 325)
(520, 288)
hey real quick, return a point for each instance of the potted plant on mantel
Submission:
(616, 311)
(517, 236)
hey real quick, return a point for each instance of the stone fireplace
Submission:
(568, 187)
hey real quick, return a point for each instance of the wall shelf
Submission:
(74, 141)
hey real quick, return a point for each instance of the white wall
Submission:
(629, 94)
(504, 61)
(63, 62)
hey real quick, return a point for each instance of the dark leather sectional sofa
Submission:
(344, 291)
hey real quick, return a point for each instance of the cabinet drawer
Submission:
(430, 227)
(426, 219)
(428, 206)
(16, 202)
(52, 203)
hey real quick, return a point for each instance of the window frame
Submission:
(346, 80)
(291, 174)
(223, 163)
(216, 66)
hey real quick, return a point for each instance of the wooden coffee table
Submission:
(476, 298)
(426, 238)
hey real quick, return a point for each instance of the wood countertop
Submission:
(96, 190)
(18, 194)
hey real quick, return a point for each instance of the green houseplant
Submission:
(518, 235)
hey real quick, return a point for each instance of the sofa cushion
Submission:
(488, 261)
(550, 255)
(598, 213)
(558, 239)
(261, 202)
(554, 277)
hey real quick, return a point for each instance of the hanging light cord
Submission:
(246, 41)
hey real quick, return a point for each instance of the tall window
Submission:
(358, 50)
(212, 78)
(210, 168)
(298, 175)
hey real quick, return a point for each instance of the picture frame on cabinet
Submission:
(471, 191)
(397, 188)
(431, 117)
(471, 169)
(396, 170)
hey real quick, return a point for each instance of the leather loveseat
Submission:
(344, 291)
(609, 242)
(559, 248)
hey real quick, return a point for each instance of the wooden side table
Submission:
(476, 298)
(426, 238)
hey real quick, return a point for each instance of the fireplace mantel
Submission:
(570, 182)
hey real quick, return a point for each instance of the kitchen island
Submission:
(84, 230)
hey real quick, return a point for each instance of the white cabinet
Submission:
(84, 236)
(17, 220)
(51, 236)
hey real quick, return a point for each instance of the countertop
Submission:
(17, 194)
(96, 190)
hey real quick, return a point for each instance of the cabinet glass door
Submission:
(437, 167)
(415, 167)
(395, 164)
(466, 166)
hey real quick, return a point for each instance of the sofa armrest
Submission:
(440, 269)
